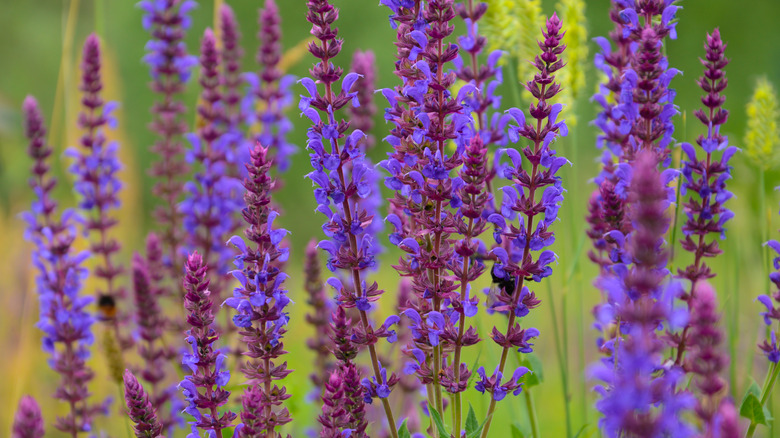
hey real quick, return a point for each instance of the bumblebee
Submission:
(106, 307)
(507, 284)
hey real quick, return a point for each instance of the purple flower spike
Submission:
(318, 319)
(170, 67)
(536, 196)
(707, 359)
(640, 395)
(273, 88)
(95, 168)
(28, 422)
(213, 199)
(151, 323)
(206, 363)
(772, 304)
(343, 181)
(140, 409)
(65, 322)
(364, 64)
(232, 53)
(705, 179)
(344, 397)
(260, 300)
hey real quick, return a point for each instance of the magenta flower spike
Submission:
(28, 422)
(204, 389)
(707, 360)
(319, 319)
(260, 300)
(272, 88)
(344, 397)
(170, 67)
(140, 409)
(151, 324)
(65, 322)
(362, 116)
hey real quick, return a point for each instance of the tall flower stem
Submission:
(519, 283)
(529, 404)
(321, 14)
(355, 272)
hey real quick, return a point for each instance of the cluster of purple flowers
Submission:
(170, 67)
(260, 302)
(425, 117)
(95, 167)
(214, 196)
(272, 89)
(65, 322)
(642, 297)
(450, 150)
(516, 244)
(206, 362)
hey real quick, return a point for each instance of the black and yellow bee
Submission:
(106, 307)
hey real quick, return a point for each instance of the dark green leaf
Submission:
(752, 410)
(403, 431)
(471, 421)
(516, 433)
(439, 423)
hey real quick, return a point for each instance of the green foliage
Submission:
(751, 407)
(403, 431)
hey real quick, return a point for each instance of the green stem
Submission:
(513, 81)
(99, 28)
(733, 332)
(561, 360)
(529, 404)
(429, 395)
(128, 427)
(770, 383)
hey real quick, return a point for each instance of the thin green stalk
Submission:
(128, 427)
(513, 81)
(733, 332)
(561, 360)
(768, 385)
(529, 404)
(429, 395)
(99, 28)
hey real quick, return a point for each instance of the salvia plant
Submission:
(458, 195)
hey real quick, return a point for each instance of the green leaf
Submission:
(473, 428)
(403, 431)
(439, 423)
(752, 410)
(533, 363)
(584, 432)
(516, 432)
(471, 421)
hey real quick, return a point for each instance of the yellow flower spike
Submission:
(762, 138)
(513, 26)
(531, 21)
(572, 13)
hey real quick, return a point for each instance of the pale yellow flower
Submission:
(762, 138)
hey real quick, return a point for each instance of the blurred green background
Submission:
(35, 49)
